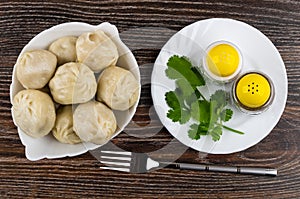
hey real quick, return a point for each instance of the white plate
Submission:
(258, 54)
(48, 147)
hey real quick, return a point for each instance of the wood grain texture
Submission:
(80, 177)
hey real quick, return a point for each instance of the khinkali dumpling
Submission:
(63, 128)
(65, 49)
(94, 122)
(73, 83)
(96, 50)
(35, 68)
(118, 88)
(33, 111)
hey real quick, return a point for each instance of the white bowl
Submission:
(48, 146)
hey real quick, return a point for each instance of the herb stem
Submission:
(233, 130)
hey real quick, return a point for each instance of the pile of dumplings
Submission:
(61, 88)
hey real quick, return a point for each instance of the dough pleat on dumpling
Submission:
(118, 88)
(73, 83)
(65, 49)
(34, 112)
(63, 128)
(35, 68)
(94, 122)
(96, 50)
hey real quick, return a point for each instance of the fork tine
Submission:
(116, 169)
(115, 157)
(124, 153)
(116, 160)
(110, 163)
(107, 156)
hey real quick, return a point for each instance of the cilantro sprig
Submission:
(187, 102)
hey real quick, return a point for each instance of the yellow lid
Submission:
(223, 60)
(253, 90)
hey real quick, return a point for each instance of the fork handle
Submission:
(230, 169)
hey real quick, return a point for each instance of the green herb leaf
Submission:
(193, 132)
(216, 133)
(185, 116)
(184, 87)
(220, 97)
(196, 130)
(214, 116)
(187, 101)
(199, 76)
(172, 100)
(181, 68)
(176, 65)
(174, 115)
(226, 115)
(178, 112)
(200, 111)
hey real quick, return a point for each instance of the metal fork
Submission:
(141, 163)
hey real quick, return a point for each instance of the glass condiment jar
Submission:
(222, 61)
(253, 92)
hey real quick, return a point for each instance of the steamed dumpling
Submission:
(96, 50)
(33, 111)
(118, 88)
(65, 49)
(94, 122)
(63, 128)
(73, 83)
(35, 68)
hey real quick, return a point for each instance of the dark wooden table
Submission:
(80, 177)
